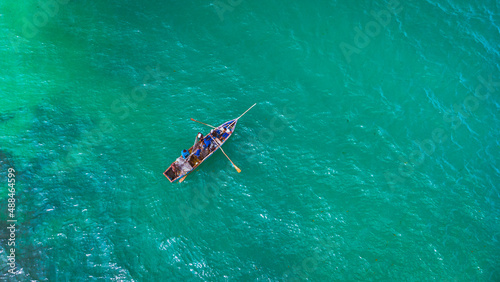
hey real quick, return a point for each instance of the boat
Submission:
(200, 151)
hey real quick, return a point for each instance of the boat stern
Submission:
(169, 174)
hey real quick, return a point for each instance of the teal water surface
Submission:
(372, 153)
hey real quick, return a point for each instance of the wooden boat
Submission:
(181, 167)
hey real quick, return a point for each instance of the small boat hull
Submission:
(182, 167)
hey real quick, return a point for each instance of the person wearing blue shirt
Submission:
(207, 142)
(185, 153)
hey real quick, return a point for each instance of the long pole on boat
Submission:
(203, 123)
(246, 111)
(235, 167)
(234, 119)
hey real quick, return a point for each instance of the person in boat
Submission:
(199, 141)
(207, 141)
(185, 153)
(174, 169)
(225, 132)
(213, 132)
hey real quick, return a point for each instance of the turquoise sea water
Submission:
(372, 153)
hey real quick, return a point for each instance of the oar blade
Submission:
(237, 169)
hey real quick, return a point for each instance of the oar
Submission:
(233, 122)
(203, 123)
(218, 145)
